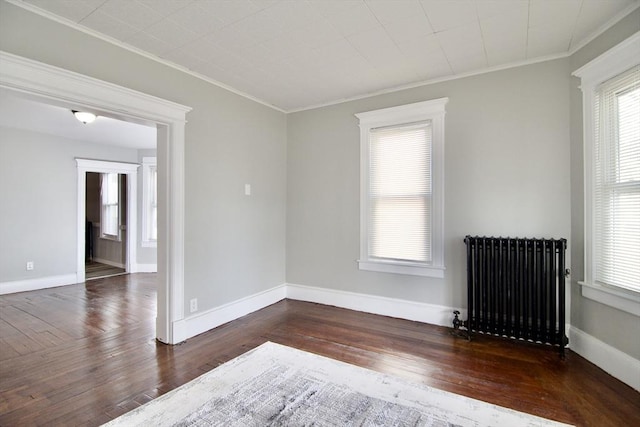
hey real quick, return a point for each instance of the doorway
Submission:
(106, 235)
(107, 217)
(44, 81)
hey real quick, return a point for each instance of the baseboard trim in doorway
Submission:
(109, 262)
(37, 283)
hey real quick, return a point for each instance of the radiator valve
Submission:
(456, 321)
(457, 324)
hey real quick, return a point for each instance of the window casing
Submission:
(150, 202)
(616, 214)
(611, 118)
(402, 189)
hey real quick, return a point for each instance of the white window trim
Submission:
(433, 110)
(147, 164)
(615, 61)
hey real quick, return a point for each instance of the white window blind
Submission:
(153, 203)
(110, 205)
(617, 181)
(400, 193)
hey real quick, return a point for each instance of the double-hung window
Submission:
(617, 182)
(150, 201)
(611, 98)
(110, 206)
(402, 153)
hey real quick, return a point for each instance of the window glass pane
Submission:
(110, 199)
(153, 185)
(629, 135)
(154, 222)
(150, 201)
(400, 191)
(399, 229)
(112, 193)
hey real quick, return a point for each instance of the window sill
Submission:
(621, 299)
(400, 268)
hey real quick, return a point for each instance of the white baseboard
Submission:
(144, 268)
(611, 360)
(109, 262)
(403, 309)
(207, 320)
(37, 283)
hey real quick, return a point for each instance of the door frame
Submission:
(131, 244)
(77, 91)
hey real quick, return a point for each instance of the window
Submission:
(611, 108)
(150, 200)
(616, 195)
(110, 197)
(402, 159)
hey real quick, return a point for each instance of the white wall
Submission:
(38, 207)
(506, 173)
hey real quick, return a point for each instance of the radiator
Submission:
(516, 288)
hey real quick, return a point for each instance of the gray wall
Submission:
(506, 173)
(234, 244)
(608, 324)
(38, 188)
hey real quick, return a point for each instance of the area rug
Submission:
(275, 385)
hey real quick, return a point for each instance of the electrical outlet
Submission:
(193, 305)
(30, 265)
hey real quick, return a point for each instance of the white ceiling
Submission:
(27, 114)
(294, 54)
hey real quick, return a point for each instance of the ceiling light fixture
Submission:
(84, 116)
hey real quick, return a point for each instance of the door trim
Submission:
(73, 90)
(99, 166)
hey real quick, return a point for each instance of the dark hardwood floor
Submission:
(84, 354)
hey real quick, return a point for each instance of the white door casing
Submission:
(54, 84)
(131, 171)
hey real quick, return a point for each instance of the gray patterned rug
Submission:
(274, 385)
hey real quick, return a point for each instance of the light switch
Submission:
(247, 189)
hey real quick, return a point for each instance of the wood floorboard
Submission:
(84, 354)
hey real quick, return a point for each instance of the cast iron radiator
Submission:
(516, 288)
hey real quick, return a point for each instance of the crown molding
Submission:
(434, 81)
(604, 27)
